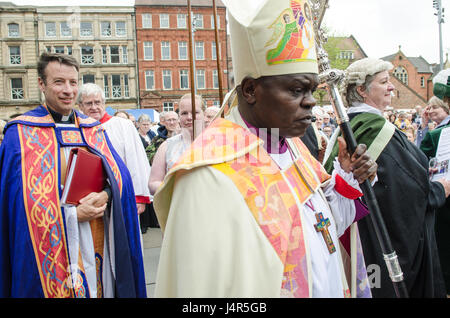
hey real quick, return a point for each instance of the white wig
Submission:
(360, 73)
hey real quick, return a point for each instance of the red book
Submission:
(84, 175)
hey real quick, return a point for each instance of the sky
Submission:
(379, 26)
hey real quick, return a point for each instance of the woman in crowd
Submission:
(435, 115)
(171, 149)
(406, 197)
(145, 124)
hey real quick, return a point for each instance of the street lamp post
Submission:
(437, 4)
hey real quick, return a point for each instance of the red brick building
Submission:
(162, 40)
(412, 79)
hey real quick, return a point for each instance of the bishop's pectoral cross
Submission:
(322, 226)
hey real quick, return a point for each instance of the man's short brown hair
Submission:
(46, 58)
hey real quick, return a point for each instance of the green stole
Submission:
(370, 129)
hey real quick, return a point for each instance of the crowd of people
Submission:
(260, 200)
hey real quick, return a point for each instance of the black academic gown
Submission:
(407, 201)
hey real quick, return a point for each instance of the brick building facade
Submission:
(163, 52)
(412, 77)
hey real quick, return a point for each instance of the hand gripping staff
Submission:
(332, 77)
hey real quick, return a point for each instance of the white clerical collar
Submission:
(363, 108)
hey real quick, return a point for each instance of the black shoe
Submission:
(144, 230)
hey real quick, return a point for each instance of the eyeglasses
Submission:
(95, 102)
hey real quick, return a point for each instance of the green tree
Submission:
(333, 50)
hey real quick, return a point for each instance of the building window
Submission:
(13, 30)
(212, 22)
(65, 29)
(50, 29)
(200, 79)
(146, 21)
(402, 75)
(182, 50)
(167, 79)
(213, 51)
(126, 89)
(124, 54)
(184, 79)
(59, 49)
(149, 80)
(106, 85)
(422, 81)
(14, 55)
(87, 55)
(216, 103)
(165, 50)
(16, 88)
(346, 55)
(164, 21)
(116, 86)
(198, 21)
(121, 29)
(104, 54)
(199, 51)
(114, 55)
(88, 78)
(105, 28)
(148, 50)
(181, 21)
(86, 29)
(168, 107)
(215, 79)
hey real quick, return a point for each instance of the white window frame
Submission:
(87, 59)
(185, 74)
(59, 46)
(183, 45)
(124, 54)
(149, 74)
(83, 32)
(215, 79)
(164, 21)
(165, 45)
(51, 33)
(82, 78)
(116, 55)
(198, 18)
(168, 106)
(148, 45)
(105, 32)
(213, 51)
(64, 26)
(17, 92)
(212, 22)
(199, 50)
(181, 21)
(15, 59)
(147, 20)
(106, 85)
(200, 79)
(105, 54)
(121, 32)
(116, 90)
(166, 73)
(13, 33)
